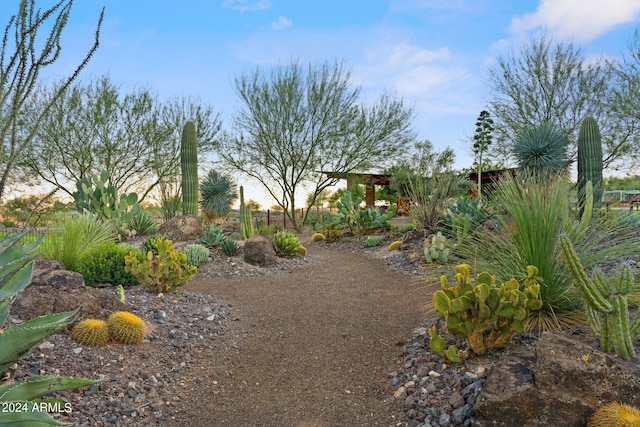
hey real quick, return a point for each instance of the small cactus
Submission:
(120, 293)
(317, 237)
(435, 249)
(91, 332)
(126, 328)
(229, 247)
(286, 243)
(302, 251)
(615, 415)
(395, 246)
(196, 253)
(373, 241)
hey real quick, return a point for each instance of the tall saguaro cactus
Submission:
(189, 164)
(246, 225)
(590, 161)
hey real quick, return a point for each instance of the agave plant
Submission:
(218, 194)
(17, 341)
(541, 151)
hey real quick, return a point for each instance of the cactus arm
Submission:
(587, 288)
(620, 332)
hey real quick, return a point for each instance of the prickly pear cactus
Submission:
(484, 314)
(435, 249)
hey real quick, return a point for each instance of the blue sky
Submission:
(433, 53)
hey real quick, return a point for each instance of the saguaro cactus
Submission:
(246, 225)
(590, 161)
(606, 303)
(189, 163)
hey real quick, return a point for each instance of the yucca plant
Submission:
(218, 193)
(541, 151)
(143, 224)
(17, 341)
(73, 237)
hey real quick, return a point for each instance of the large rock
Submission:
(258, 250)
(54, 290)
(560, 385)
(182, 228)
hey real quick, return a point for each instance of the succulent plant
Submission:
(435, 249)
(317, 237)
(120, 293)
(373, 241)
(395, 245)
(189, 166)
(196, 254)
(229, 247)
(246, 224)
(92, 332)
(126, 328)
(286, 243)
(589, 161)
(615, 415)
(218, 192)
(541, 151)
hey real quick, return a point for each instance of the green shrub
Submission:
(229, 247)
(269, 230)
(163, 272)
(69, 240)
(105, 264)
(143, 224)
(373, 241)
(286, 243)
(196, 254)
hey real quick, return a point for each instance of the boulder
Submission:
(258, 250)
(182, 228)
(561, 385)
(54, 290)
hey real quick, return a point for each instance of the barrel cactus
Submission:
(126, 328)
(91, 332)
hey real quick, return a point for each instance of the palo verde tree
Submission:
(547, 82)
(31, 42)
(299, 122)
(133, 135)
(481, 141)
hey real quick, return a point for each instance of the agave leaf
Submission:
(31, 419)
(5, 305)
(39, 386)
(17, 283)
(17, 341)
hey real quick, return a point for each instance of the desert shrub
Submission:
(162, 272)
(73, 237)
(143, 224)
(373, 241)
(286, 243)
(196, 254)
(269, 230)
(229, 247)
(105, 264)
(171, 207)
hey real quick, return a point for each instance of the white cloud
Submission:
(281, 23)
(247, 5)
(581, 20)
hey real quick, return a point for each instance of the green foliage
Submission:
(435, 249)
(286, 243)
(150, 244)
(270, 230)
(171, 207)
(143, 224)
(532, 214)
(484, 314)
(189, 166)
(589, 161)
(212, 235)
(105, 264)
(229, 247)
(218, 193)
(196, 254)
(373, 241)
(351, 214)
(541, 151)
(73, 237)
(19, 340)
(163, 272)
(96, 195)
(246, 224)
(465, 215)
(120, 292)
(606, 301)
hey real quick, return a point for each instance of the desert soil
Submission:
(311, 346)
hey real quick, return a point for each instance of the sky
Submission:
(432, 53)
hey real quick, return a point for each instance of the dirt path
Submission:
(311, 347)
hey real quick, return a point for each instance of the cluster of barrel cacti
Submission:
(435, 249)
(95, 194)
(589, 161)
(483, 313)
(246, 224)
(120, 327)
(606, 301)
(189, 166)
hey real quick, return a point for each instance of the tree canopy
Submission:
(300, 121)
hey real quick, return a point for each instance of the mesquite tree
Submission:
(25, 54)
